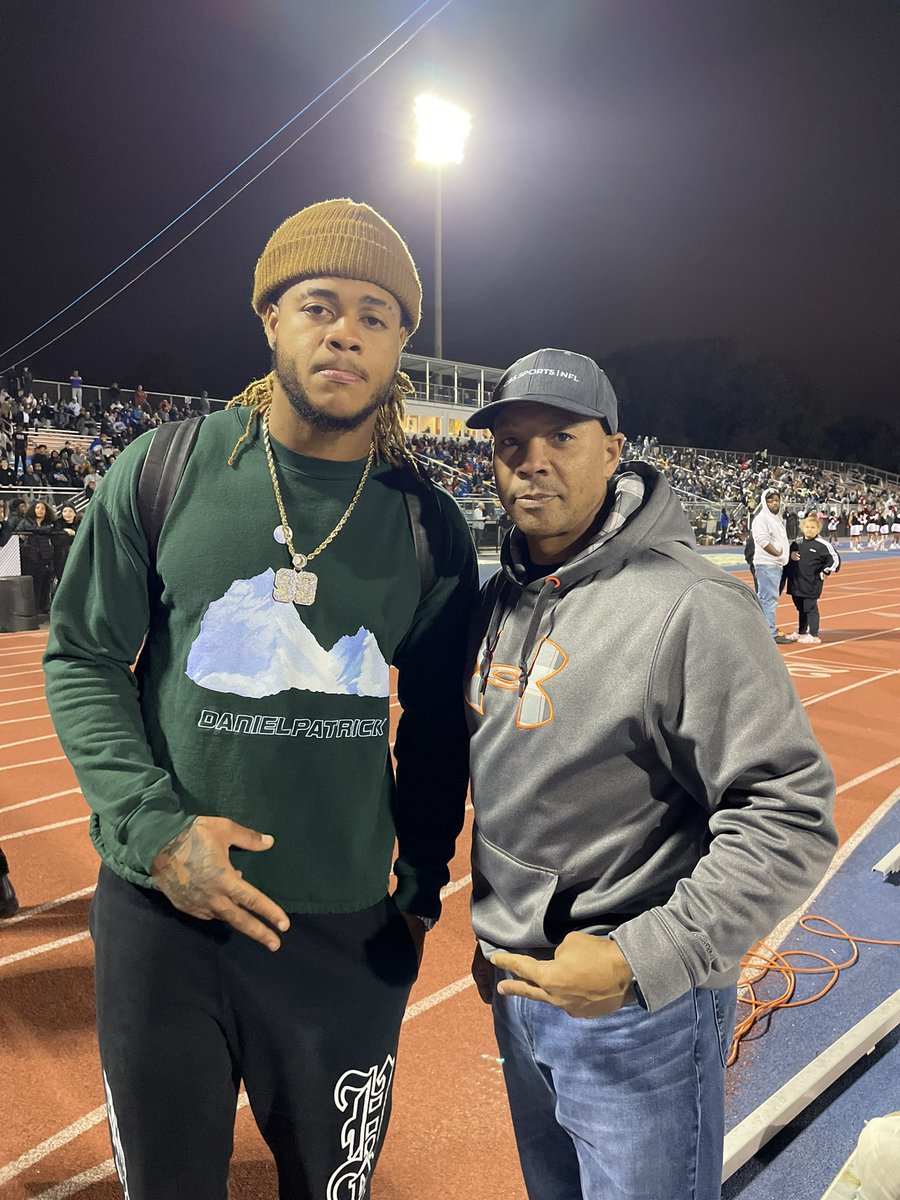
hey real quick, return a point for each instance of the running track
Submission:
(450, 1135)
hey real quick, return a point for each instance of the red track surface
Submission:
(450, 1135)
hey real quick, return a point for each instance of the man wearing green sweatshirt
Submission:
(243, 800)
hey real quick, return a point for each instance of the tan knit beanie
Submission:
(345, 240)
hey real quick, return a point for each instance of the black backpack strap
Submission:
(161, 474)
(426, 520)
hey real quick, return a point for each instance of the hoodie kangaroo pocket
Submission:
(509, 897)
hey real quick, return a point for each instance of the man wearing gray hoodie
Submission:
(649, 801)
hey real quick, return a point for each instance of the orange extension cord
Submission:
(761, 960)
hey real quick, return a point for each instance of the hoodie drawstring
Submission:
(551, 583)
(492, 637)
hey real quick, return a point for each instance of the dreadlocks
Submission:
(388, 435)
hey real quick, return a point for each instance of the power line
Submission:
(224, 179)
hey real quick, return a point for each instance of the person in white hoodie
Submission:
(770, 558)
(649, 801)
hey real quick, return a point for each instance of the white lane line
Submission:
(62, 1138)
(456, 886)
(849, 688)
(452, 989)
(777, 936)
(28, 687)
(852, 783)
(45, 948)
(828, 646)
(42, 908)
(37, 762)
(15, 673)
(69, 1187)
(25, 700)
(22, 720)
(27, 741)
(9, 837)
(40, 800)
(78, 1183)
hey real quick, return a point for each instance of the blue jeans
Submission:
(629, 1106)
(768, 581)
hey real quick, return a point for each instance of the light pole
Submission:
(441, 133)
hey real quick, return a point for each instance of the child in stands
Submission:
(811, 559)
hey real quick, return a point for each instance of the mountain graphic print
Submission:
(251, 645)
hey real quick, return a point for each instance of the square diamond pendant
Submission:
(295, 587)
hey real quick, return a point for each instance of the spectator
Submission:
(36, 532)
(76, 384)
(478, 524)
(723, 527)
(770, 558)
(9, 904)
(64, 530)
(810, 561)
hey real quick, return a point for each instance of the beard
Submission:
(323, 422)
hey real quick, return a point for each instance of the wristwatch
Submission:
(639, 995)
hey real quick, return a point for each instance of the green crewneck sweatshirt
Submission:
(275, 715)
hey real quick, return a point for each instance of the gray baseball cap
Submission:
(559, 378)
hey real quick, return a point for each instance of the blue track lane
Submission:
(803, 1161)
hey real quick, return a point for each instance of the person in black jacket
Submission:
(749, 551)
(9, 904)
(36, 530)
(64, 529)
(810, 561)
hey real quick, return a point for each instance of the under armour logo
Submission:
(535, 706)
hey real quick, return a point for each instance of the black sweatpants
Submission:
(807, 614)
(186, 1009)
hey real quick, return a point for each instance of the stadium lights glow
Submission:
(442, 131)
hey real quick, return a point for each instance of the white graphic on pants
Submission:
(364, 1094)
(118, 1152)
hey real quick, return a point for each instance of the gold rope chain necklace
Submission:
(298, 586)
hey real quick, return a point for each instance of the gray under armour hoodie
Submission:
(642, 766)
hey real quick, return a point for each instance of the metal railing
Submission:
(468, 385)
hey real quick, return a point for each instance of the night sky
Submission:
(637, 170)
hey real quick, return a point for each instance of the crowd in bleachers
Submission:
(50, 447)
(55, 449)
(461, 465)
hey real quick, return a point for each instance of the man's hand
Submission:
(483, 974)
(588, 976)
(195, 873)
(795, 556)
(417, 932)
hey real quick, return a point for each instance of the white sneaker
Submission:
(808, 640)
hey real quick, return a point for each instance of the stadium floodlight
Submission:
(442, 129)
